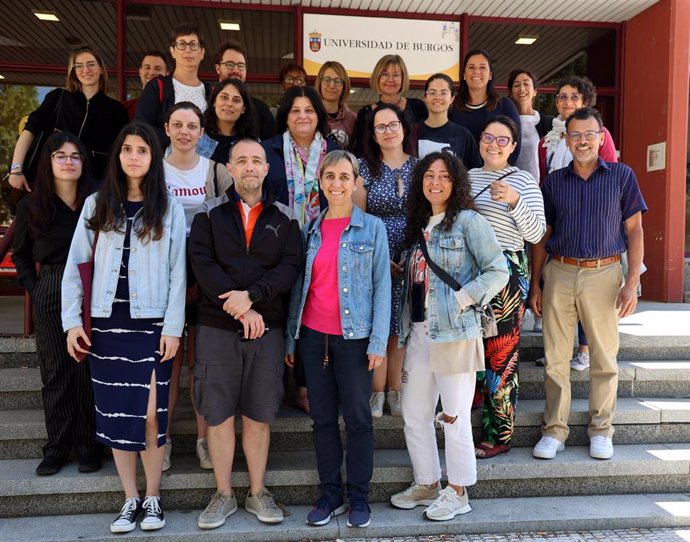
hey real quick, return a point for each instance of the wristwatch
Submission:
(16, 166)
(254, 297)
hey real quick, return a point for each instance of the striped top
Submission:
(524, 222)
(588, 216)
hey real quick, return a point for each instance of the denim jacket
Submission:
(470, 253)
(157, 271)
(364, 282)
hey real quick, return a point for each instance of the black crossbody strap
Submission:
(440, 273)
(489, 185)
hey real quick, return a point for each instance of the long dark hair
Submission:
(111, 199)
(316, 102)
(419, 208)
(42, 206)
(492, 95)
(372, 150)
(245, 126)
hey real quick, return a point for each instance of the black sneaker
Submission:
(153, 514)
(127, 520)
(50, 466)
(90, 463)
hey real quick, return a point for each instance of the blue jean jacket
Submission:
(157, 271)
(364, 282)
(470, 253)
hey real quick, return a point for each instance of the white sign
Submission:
(427, 47)
(656, 157)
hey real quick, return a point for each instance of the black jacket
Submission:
(277, 179)
(96, 122)
(151, 109)
(544, 125)
(222, 262)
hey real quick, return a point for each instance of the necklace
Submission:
(469, 106)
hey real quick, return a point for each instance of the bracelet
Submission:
(20, 172)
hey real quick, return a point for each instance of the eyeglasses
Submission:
(337, 81)
(568, 97)
(182, 45)
(590, 135)
(501, 141)
(299, 80)
(241, 66)
(387, 75)
(92, 65)
(442, 93)
(392, 126)
(61, 158)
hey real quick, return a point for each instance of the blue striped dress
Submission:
(124, 353)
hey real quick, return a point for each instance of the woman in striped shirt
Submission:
(511, 201)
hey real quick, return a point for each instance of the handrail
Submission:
(5, 245)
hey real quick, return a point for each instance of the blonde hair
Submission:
(339, 69)
(382, 64)
(73, 84)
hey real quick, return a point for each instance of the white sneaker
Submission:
(393, 402)
(448, 505)
(547, 448)
(601, 447)
(580, 362)
(168, 451)
(376, 403)
(202, 454)
(538, 324)
(416, 495)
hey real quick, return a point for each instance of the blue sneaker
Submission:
(324, 509)
(360, 513)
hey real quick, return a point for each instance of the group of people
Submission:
(375, 274)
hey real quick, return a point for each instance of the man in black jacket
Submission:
(246, 252)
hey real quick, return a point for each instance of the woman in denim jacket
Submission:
(443, 331)
(341, 316)
(137, 311)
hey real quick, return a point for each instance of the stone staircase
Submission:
(646, 484)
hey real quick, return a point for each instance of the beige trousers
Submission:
(590, 295)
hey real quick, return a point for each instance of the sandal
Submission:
(484, 451)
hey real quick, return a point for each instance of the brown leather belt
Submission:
(588, 264)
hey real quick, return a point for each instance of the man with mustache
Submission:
(593, 214)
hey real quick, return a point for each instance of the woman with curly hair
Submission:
(454, 265)
(386, 170)
(511, 201)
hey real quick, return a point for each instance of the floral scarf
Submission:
(302, 182)
(557, 154)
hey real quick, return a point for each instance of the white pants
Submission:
(420, 392)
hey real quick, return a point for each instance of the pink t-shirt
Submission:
(322, 308)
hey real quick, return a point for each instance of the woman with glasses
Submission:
(229, 118)
(478, 99)
(522, 86)
(333, 85)
(447, 241)
(137, 313)
(45, 223)
(511, 201)
(390, 81)
(182, 85)
(386, 170)
(192, 179)
(294, 156)
(572, 94)
(82, 108)
(437, 133)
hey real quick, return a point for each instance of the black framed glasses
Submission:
(501, 141)
(241, 66)
(61, 158)
(182, 45)
(337, 81)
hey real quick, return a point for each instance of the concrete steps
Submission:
(637, 421)
(488, 516)
(293, 478)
